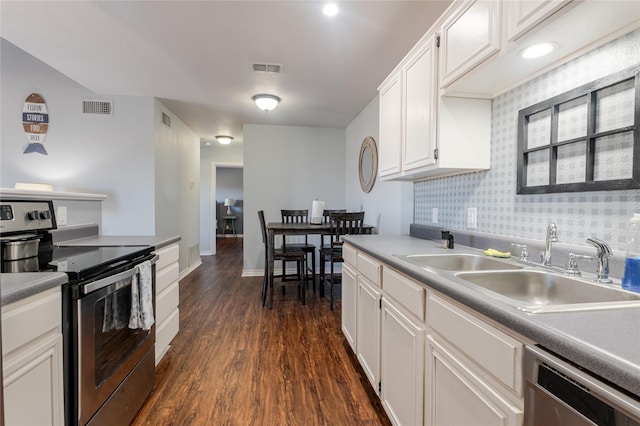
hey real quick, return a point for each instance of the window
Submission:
(587, 139)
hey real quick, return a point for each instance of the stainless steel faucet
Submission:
(552, 237)
(603, 254)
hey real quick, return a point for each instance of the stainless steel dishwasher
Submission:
(558, 393)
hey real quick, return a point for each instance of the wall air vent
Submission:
(97, 107)
(166, 120)
(274, 68)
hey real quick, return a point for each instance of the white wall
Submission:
(389, 205)
(103, 154)
(287, 168)
(209, 155)
(177, 184)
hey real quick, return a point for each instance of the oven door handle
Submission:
(105, 282)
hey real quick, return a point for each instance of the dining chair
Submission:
(288, 254)
(300, 216)
(326, 218)
(341, 224)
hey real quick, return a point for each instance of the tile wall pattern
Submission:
(603, 214)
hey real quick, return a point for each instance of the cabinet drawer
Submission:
(166, 276)
(167, 302)
(494, 351)
(410, 294)
(349, 254)
(31, 318)
(167, 255)
(165, 333)
(369, 268)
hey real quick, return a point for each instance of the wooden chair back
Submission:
(294, 216)
(345, 224)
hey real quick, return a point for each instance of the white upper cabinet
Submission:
(423, 135)
(523, 15)
(420, 107)
(482, 40)
(390, 126)
(470, 35)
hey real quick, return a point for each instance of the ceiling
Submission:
(196, 56)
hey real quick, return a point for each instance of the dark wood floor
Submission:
(236, 363)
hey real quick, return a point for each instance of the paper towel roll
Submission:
(317, 208)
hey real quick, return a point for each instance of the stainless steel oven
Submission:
(557, 393)
(109, 364)
(114, 363)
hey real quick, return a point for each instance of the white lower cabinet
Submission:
(368, 330)
(432, 360)
(167, 298)
(457, 396)
(349, 296)
(32, 360)
(402, 378)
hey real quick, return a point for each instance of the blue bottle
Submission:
(631, 278)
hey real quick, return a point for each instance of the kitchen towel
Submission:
(142, 298)
(116, 312)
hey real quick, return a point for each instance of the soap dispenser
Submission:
(631, 278)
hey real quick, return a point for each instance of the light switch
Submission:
(472, 218)
(61, 215)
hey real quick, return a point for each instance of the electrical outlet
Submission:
(61, 215)
(434, 215)
(472, 218)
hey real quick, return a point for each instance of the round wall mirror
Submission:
(368, 163)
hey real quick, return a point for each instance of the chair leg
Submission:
(331, 287)
(313, 271)
(322, 278)
(303, 282)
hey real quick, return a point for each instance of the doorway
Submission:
(226, 185)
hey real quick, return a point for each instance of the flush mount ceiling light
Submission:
(266, 102)
(224, 140)
(537, 50)
(330, 9)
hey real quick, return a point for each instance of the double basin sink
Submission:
(528, 289)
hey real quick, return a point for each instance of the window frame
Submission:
(590, 92)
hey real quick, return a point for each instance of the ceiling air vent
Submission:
(97, 107)
(166, 120)
(274, 68)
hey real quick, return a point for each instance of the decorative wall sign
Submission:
(35, 122)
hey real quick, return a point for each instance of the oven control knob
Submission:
(45, 214)
(33, 215)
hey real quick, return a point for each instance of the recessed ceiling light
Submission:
(330, 9)
(537, 50)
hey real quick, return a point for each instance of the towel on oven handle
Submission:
(116, 311)
(142, 298)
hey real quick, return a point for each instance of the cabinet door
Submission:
(469, 37)
(33, 384)
(524, 15)
(420, 94)
(449, 381)
(402, 374)
(368, 334)
(349, 294)
(390, 126)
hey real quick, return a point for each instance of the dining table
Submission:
(303, 228)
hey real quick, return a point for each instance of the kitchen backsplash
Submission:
(603, 214)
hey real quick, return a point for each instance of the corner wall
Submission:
(389, 205)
